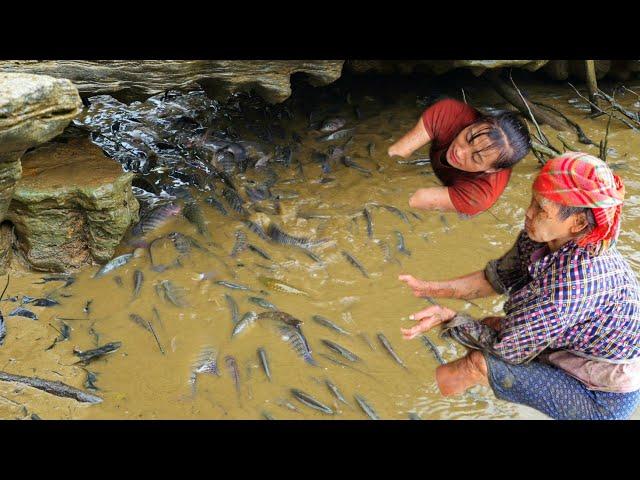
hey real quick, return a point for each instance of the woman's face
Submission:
(543, 224)
(472, 155)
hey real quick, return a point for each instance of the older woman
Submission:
(569, 344)
(471, 154)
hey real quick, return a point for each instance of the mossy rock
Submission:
(71, 207)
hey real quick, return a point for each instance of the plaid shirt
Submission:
(569, 300)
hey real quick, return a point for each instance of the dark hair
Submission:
(508, 134)
(565, 212)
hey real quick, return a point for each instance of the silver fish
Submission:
(387, 345)
(309, 401)
(402, 248)
(247, 319)
(113, 264)
(325, 322)
(233, 306)
(336, 392)
(138, 278)
(366, 408)
(262, 355)
(232, 366)
(431, 346)
(352, 357)
(353, 261)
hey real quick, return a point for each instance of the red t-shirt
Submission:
(470, 193)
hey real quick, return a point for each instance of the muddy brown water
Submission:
(138, 382)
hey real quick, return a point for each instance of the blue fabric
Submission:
(555, 393)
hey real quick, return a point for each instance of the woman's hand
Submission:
(422, 288)
(427, 318)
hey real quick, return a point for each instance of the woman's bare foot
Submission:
(457, 377)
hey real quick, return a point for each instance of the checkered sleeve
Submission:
(508, 271)
(531, 326)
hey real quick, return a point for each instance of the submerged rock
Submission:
(135, 79)
(33, 110)
(71, 207)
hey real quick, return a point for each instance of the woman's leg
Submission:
(555, 393)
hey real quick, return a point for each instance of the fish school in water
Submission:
(275, 255)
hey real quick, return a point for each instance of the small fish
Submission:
(298, 342)
(366, 408)
(282, 317)
(352, 357)
(89, 383)
(342, 364)
(155, 219)
(311, 255)
(444, 222)
(431, 346)
(87, 356)
(57, 278)
(261, 302)
(232, 366)
(260, 252)
(418, 162)
(3, 329)
(235, 201)
(386, 250)
(352, 260)
(257, 229)
(279, 286)
(279, 236)
(281, 402)
(267, 415)
(331, 125)
(414, 416)
(336, 392)
(366, 340)
(387, 345)
(371, 148)
(240, 244)
(402, 248)
(23, 312)
(233, 307)
(138, 278)
(338, 135)
(367, 217)
(231, 285)
(169, 291)
(206, 362)
(113, 264)
(348, 162)
(247, 319)
(44, 302)
(325, 322)
(193, 213)
(87, 307)
(309, 401)
(396, 211)
(262, 355)
(214, 202)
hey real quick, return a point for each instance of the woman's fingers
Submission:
(425, 312)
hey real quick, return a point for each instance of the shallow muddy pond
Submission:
(151, 374)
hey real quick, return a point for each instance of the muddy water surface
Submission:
(139, 381)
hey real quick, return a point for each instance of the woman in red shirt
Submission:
(471, 154)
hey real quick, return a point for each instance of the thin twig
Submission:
(582, 137)
(542, 138)
(630, 115)
(600, 110)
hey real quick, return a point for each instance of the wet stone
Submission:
(33, 110)
(71, 207)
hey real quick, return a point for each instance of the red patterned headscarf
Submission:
(581, 180)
